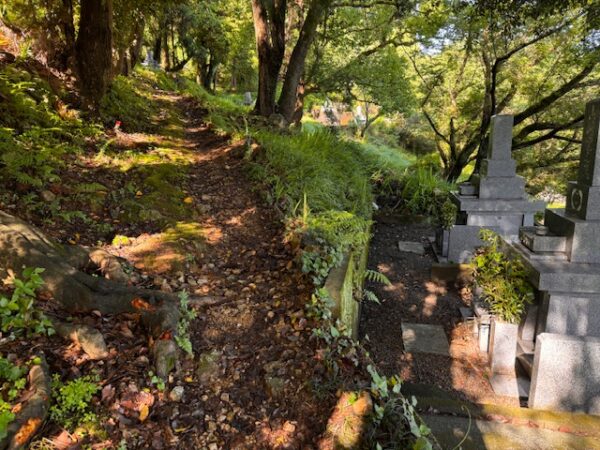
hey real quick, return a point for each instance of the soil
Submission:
(413, 298)
(250, 383)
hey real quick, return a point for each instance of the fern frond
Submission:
(371, 296)
(377, 277)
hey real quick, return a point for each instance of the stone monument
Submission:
(559, 340)
(495, 199)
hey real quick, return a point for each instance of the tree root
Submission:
(22, 245)
(33, 412)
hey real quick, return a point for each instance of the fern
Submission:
(377, 277)
(371, 296)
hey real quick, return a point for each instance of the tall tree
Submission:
(269, 29)
(94, 50)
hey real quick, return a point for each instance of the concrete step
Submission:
(542, 256)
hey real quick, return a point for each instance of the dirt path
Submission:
(250, 383)
(257, 392)
(414, 298)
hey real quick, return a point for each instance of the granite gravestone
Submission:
(495, 199)
(559, 338)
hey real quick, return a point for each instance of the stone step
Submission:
(550, 243)
(526, 362)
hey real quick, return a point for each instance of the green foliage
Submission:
(183, 327)
(128, 103)
(448, 213)
(391, 409)
(37, 130)
(72, 406)
(504, 281)
(157, 381)
(12, 381)
(423, 191)
(325, 169)
(18, 313)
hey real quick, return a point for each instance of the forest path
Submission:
(249, 385)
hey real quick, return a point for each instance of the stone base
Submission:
(572, 314)
(583, 237)
(566, 374)
(542, 244)
(498, 168)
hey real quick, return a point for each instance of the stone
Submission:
(498, 168)
(503, 347)
(589, 165)
(502, 188)
(501, 137)
(411, 247)
(208, 365)
(542, 244)
(248, 98)
(165, 357)
(583, 237)
(566, 373)
(424, 338)
(571, 314)
(275, 386)
(462, 243)
(510, 385)
(176, 394)
(48, 196)
(89, 339)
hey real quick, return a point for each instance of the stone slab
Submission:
(566, 374)
(507, 225)
(424, 338)
(462, 243)
(502, 188)
(571, 314)
(589, 166)
(411, 247)
(501, 137)
(503, 347)
(540, 244)
(559, 275)
(498, 168)
(583, 237)
(473, 204)
(510, 385)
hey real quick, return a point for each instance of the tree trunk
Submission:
(94, 50)
(269, 29)
(68, 28)
(156, 54)
(295, 68)
(136, 47)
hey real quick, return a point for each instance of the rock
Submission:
(165, 357)
(411, 247)
(176, 394)
(48, 196)
(208, 365)
(278, 121)
(89, 339)
(275, 386)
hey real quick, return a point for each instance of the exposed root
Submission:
(33, 411)
(21, 245)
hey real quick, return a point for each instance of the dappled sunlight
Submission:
(238, 220)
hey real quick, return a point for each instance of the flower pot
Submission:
(503, 346)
